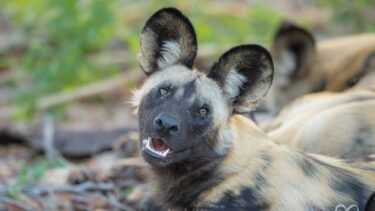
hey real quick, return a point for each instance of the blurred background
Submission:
(67, 69)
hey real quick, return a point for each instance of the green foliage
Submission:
(61, 36)
(4, 62)
(63, 33)
(127, 191)
(213, 25)
(352, 16)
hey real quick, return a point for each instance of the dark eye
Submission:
(352, 82)
(203, 111)
(164, 92)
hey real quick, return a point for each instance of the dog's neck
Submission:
(178, 186)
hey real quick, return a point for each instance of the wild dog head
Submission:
(303, 66)
(183, 113)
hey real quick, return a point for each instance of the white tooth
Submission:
(165, 153)
(144, 143)
(148, 144)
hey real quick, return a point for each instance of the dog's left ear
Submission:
(245, 74)
(168, 38)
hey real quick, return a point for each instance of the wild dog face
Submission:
(183, 113)
(302, 66)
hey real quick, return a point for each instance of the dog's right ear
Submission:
(293, 49)
(168, 38)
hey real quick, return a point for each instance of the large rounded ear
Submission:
(293, 50)
(245, 74)
(168, 38)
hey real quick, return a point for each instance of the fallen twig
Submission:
(48, 136)
(112, 57)
(96, 88)
(76, 189)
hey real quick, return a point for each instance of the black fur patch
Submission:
(287, 27)
(345, 183)
(246, 200)
(170, 32)
(362, 142)
(297, 49)
(308, 167)
(320, 86)
(370, 205)
(264, 156)
(351, 186)
(367, 66)
(259, 176)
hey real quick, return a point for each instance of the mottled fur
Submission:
(284, 179)
(258, 174)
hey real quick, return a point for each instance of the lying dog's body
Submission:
(204, 155)
(329, 123)
(258, 174)
(267, 176)
(303, 66)
(340, 125)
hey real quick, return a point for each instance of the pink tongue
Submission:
(158, 145)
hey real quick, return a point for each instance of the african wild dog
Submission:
(204, 154)
(331, 123)
(303, 66)
(341, 125)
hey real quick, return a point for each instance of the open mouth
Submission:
(156, 147)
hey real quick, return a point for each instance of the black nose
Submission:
(165, 123)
